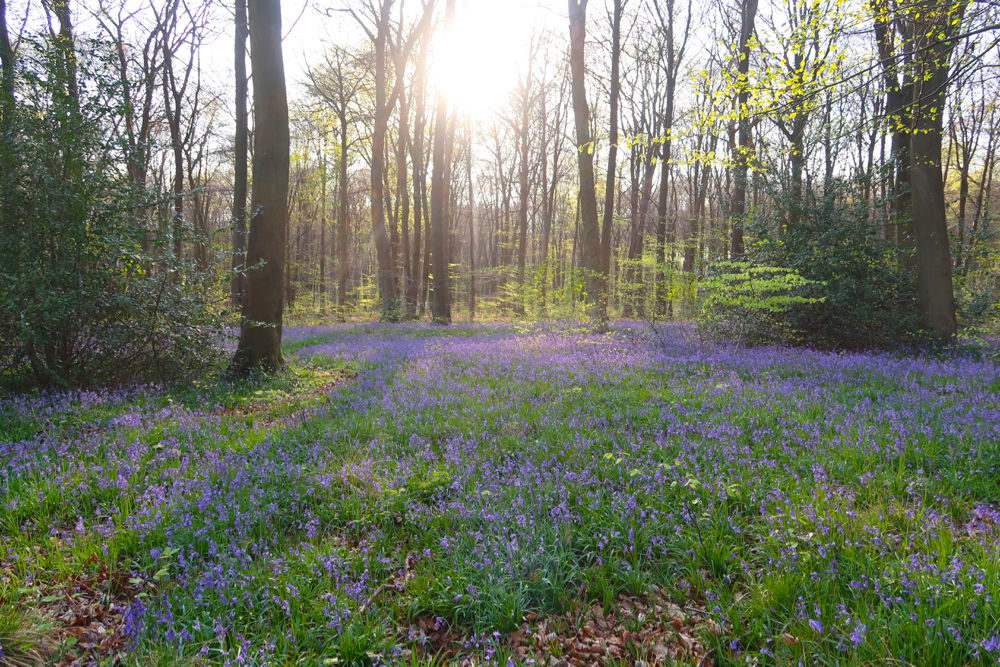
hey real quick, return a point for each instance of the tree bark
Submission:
(343, 223)
(744, 146)
(413, 288)
(441, 304)
(524, 191)
(615, 93)
(260, 330)
(6, 69)
(935, 291)
(472, 229)
(240, 150)
(590, 233)
(383, 244)
(403, 197)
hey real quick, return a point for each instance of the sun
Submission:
(476, 63)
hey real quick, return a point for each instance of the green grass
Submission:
(407, 508)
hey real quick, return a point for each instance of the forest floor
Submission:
(497, 495)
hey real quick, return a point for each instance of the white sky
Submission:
(477, 63)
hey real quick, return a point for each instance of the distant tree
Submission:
(380, 35)
(260, 330)
(526, 102)
(182, 27)
(338, 83)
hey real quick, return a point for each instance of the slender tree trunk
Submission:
(260, 331)
(413, 288)
(6, 69)
(343, 220)
(524, 192)
(238, 286)
(322, 226)
(665, 270)
(472, 229)
(609, 187)
(898, 95)
(172, 110)
(403, 195)
(797, 161)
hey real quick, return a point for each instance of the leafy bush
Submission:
(977, 284)
(862, 296)
(88, 294)
(748, 304)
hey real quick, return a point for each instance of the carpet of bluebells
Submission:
(817, 507)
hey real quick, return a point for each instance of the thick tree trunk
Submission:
(934, 280)
(935, 290)
(744, 145)
(441, 304)
(590, 233)
(260, 331)
(383, 244)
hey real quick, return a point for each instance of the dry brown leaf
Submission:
(790, 640)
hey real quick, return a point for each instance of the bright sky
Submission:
(477, 63)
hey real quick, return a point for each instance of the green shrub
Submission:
(977, 284)
(749, 305)
(860, 294)
(89, 292)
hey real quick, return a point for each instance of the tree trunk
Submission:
(322, 226)
(524, 192)
(472, 230)
(609, 187)
(590, 233)
(343, 223)
(441, 304)
(6, 69)
(935, 290)
(260, 331)
(383, 244)
(238, 285)
(403, 196)
(898, 96)
(413, 288)
(744, 146)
